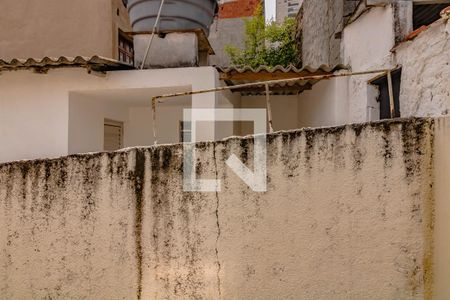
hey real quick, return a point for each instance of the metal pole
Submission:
(391, 94)
(261, 83)
(269, 109)
(266, 83)
(153, 35)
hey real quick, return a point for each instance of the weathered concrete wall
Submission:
(371, 41)
(321, 24)
(315, 36)
(229, 28)
(348, 215)
(175, 50)
(226, 32)
(425, 88)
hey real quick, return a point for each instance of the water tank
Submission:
(175, 15)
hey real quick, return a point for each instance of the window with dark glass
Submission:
(126, 48)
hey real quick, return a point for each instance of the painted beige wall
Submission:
(120, 21)
(347, 215)
(442, 209)
(60, 28)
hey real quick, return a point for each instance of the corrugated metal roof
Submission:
(95, 63)
(236, 75)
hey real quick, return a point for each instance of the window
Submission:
(113, 135)
(383, 98)
(126, 48)
(425, 14)
(185, 132)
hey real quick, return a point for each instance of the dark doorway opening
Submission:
(383, 98)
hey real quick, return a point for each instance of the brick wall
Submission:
(238, 8)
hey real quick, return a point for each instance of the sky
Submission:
(270, 9)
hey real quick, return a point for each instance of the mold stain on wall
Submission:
(332, 186)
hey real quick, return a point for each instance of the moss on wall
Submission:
(348, 213)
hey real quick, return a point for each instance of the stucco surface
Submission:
(223, 33)
(321, 24)
(366, 45)
(175, 50)
(347, 215)
(425, 88)
(315, 37)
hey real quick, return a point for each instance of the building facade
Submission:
(54, 28)
(51, 110)
(229, 27)
(377, 35)
(287, 8)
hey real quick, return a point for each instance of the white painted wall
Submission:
(284, 111)
(228, 99)
(34, 108)
(139, 129)
(367, 41)
(86, 121)
(425, 61)
(87, 111)
(34, 113)
(326, 104)
(366, 45)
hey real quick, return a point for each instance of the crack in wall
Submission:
(219, 266)
(186, 245)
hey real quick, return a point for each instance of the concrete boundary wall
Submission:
(349, 214)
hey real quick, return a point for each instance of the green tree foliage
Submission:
(266, 44)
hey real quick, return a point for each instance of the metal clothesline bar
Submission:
(261, 83)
